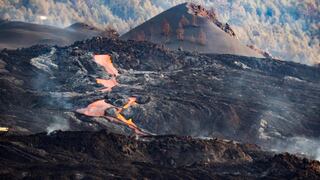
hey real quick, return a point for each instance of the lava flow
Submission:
(95, 109)
(106, 62)
(132, 101)
(108, 84)
(98, 108)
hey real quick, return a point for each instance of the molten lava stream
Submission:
(98, 108)
(129, 122)
(106, 62)
(95, 109)
(108, 84)
(131, 101)
(126, 121)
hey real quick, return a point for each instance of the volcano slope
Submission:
(15, 34)
(192, 28)
(261, 101)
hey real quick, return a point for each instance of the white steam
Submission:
(299, 145)
(44, 62)
(58, 123)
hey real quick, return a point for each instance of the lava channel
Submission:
(98, 108)
(95, 109)
(108, 84)
(106, 62)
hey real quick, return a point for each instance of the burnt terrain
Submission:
(251, 100)
(182, 93)
(100, 155)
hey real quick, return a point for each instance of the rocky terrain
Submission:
(248, 99)
(197, 104)
(100, 155)
(251, 100)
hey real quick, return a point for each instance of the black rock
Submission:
(107, 155)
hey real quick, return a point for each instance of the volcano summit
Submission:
(190, 27)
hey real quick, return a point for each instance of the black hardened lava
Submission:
(91, 155)
(188, 93)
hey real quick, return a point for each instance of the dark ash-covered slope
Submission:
(248, 99)
(101, 155)
(192, 28)
(15, 34)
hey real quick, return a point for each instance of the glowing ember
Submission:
(126, 121)
(109, 84)
(105, 61)
(129, 122)
(95, 109)
(132, 101)
(4, 129)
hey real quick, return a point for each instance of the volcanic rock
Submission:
(91, 155)
(247, 99)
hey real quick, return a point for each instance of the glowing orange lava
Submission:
(105, 61)
(132, 101)
(126, 121)
(98, 108)
(108, 84)
(95, 109)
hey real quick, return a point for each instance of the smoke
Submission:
(58, 123)
(278, 121)
(52, 97)
(288, 29)
(299, 145)
(281, 124)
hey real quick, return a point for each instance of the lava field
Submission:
(181, 93)
(155, 92)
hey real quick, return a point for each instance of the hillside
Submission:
(15, 34)
(191, 28)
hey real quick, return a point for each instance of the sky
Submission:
(288, 29)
